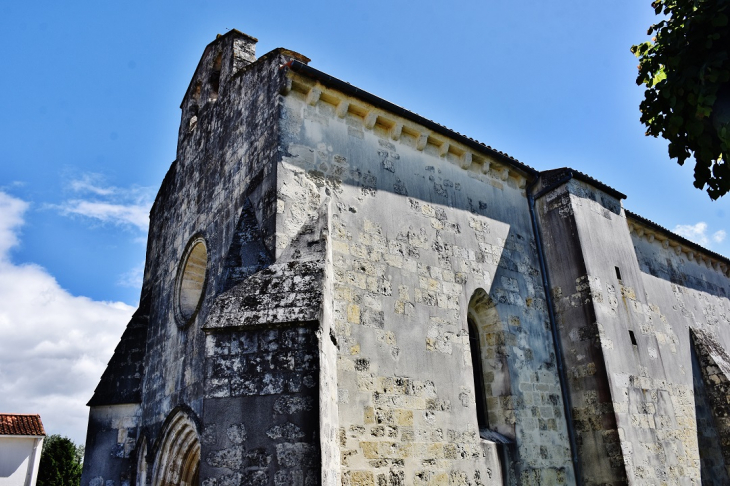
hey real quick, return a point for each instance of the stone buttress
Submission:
(339, 291)
(641, 319)
(439, 312)
(216, 379)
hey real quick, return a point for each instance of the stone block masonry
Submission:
(341, 292)
(402, 284)
(261, 407)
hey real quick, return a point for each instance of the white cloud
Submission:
(88, 183)
(53, 345)
(109, 204)
(132, 214)
(133, 278)
(11, 218)
(698, 233)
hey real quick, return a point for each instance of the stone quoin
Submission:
(338, 291)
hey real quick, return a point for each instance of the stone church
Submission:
(339, 291)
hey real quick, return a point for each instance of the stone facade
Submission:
(338, 291)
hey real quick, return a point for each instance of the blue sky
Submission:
(90, 111)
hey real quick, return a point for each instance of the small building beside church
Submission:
(21, 442)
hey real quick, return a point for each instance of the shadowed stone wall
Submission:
(347, 246)
(261, 407)
(413, 236)
(627, 293)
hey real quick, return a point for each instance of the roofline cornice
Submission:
(386, 106)
(643, 227)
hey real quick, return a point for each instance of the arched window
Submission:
(490, 364)
(178, 458)
(193, 119)
(492, 383)
(476, 364)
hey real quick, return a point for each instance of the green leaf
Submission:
(683, 69)
(719, 20)
(694, 127)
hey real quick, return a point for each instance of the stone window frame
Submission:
(483, 315)
(185, 316)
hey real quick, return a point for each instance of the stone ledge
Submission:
(281, 293)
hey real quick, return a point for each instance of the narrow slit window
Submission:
(215, 78)
(633, 338)
(476, 362)
(618, 273)
(193, 119)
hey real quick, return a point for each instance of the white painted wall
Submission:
(19, 460)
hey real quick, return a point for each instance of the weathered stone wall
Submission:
(413, 237)
(684, 290)
(574, 291)
(226, 163)
(350, 246)
(262, 383)
(649, 402)
(626, 302)
(261, 410)
(111, 441)
(329, 419)
(709, 400)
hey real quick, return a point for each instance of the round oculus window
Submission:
(191, 280)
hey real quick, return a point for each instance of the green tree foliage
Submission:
(60, 462)
(686, 71)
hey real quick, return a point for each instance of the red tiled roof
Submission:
(21, 424)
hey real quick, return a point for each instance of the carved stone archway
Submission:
(178, 457)
(142, 463)
(492, 367)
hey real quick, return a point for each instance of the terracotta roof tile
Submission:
(21, 424)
